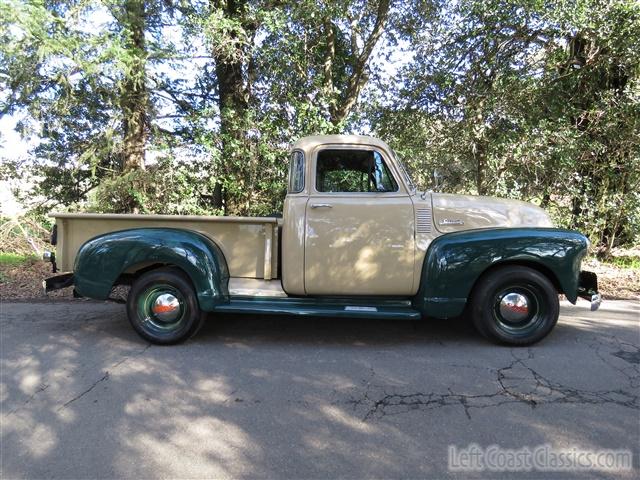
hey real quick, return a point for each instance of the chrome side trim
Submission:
(451, 221)
(424, 220)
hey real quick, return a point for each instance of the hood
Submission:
(453, 213)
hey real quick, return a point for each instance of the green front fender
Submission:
(454, 262)
(101, 260)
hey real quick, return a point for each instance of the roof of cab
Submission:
(309, 143)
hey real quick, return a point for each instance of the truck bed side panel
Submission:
(250, 245)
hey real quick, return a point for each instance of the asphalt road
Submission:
(83, 397)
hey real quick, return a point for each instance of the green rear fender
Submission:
(101, 260)
(454, 262)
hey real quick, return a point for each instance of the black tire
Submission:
(499, 312)
(162, 307)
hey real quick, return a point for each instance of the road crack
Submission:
(517, 382)
(40, 389)
(104, 378)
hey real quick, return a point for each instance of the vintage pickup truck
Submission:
(356, 239)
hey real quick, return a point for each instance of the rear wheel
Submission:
(163, 308)
(514, 305)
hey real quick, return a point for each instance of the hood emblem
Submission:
(450, 221)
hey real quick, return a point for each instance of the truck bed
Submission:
(249, 244)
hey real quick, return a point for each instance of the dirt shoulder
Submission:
(23, 281)
(615, 282)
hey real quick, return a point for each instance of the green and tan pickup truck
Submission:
(356, 239)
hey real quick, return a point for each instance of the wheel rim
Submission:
(518, 310)
(162, 309)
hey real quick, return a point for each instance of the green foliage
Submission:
(79, 75)
(13, 260)
(625, 262)
(253, 174)
(523, 99)
(167, 187)
(528, 100)
(54, 70)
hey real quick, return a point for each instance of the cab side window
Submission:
(296, 172)
(353, 171)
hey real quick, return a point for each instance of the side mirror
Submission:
(437, 176)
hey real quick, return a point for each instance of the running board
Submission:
(318, 309)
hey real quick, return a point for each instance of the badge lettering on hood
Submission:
(450, 221)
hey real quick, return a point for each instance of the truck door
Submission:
(359, 237)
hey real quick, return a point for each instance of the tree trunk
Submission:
(233, 105)
(480, 156)
(134, 98)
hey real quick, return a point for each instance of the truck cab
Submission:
(349, 220)
(356, 239)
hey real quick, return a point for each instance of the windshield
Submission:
(404, 172)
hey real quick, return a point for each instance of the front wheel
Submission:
(514, 305)
(163, 308)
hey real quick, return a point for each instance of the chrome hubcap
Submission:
(514, 307)
(166, 307)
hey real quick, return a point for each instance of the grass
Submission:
(13, 260)
(9, 260)
(624, 261)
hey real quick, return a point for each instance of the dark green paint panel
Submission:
(455, 261)
(340, 308)
(452, 265)
(101, 260)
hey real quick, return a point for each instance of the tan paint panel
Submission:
(241, 239)
(293, 230)
(254, 287)
(362, 245)
(453, 213)
(308, 144)
(425, 233)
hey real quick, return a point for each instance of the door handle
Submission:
(321, 205)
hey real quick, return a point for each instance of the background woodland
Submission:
(189, 107)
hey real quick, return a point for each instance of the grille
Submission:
(423, 220)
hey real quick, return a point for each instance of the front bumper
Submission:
(588, 289)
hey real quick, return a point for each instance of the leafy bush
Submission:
(168, 187)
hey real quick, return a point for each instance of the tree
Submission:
(274, 61)
(134, 101)
(529, 100)
(89, 85)
(518, 98)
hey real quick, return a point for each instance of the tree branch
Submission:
(329, 57)
(359, 77)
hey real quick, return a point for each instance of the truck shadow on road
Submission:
(342, 331)
(574, 323)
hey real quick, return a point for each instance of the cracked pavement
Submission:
(81, 396)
